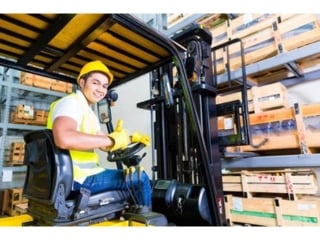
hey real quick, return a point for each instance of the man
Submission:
(76, 127)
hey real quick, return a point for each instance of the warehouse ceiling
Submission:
(60, 44)
(63, 43)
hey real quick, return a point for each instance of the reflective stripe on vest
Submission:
(85, 163)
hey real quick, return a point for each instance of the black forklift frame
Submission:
(174, 54)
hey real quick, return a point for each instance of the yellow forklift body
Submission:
(17, 221)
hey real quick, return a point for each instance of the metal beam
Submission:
(279, 161)
(272, 62)
(184, 23)
(44, 39)
(310, 76)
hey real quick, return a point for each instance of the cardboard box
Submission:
(272, 211)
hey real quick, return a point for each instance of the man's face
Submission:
(95, 87)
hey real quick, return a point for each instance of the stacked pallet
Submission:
(13, 202)
(272, 211)
(288, 183)
(272, 198)
(16, 154)
(264, 36)
(294, 129)
(45, 83)
(25, 114)
(260, 98)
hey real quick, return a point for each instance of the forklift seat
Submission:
(48, 187)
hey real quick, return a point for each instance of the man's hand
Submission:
(140, 138)
(120, 137)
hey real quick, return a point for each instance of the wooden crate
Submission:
(264, 36)
(223, 98)
(41, 116)
(69, 88)
(58, 86)
(290, 182)
(270, 96)
(21, 208)
(272, 211)
(14, 197)
(42, 82)
(283, 129)
(17, 153)
(24, 111)
(26, 78)
(15, 119)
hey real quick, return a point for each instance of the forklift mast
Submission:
(192, 165)
(188, 145)
(186, 151)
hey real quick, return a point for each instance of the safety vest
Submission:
(85, 163)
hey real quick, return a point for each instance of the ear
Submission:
(82, 82)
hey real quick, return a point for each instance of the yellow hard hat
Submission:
(95, 66)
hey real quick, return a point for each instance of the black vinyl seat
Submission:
(48, 187)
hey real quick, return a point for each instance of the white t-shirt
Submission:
(69, 106)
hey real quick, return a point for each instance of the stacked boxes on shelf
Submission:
(45, 83)
(223, 98)
(25, 114)
(16, 154)
(268, 97)
(271, 117)
(264, 36)
(272, 198)
(13, 202)
(289, 183)
(263, 98)
(272, 211)
(294, 129)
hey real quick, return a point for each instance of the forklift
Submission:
(188, 188)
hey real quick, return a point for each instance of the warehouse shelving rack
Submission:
(10, 89)
(250, 160)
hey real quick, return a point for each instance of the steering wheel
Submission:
(126, 153)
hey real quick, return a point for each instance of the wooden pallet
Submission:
(16, 154)
(272, 211)
(270, 96)
(41, 116)
(15, 119)
(264, 36)
(282, 129)
(42, 82)
(260, 99)
(26, 78)
(21, 208)
(60, 86)
(24, 111)
(45, 83)
(290, 182)
(224, 98)
(13, 197)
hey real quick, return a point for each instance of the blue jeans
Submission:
(114, 179)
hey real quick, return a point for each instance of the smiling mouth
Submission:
(98, 95)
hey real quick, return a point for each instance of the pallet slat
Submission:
(45, 83)
(290, 182)
(285, 128)
(272, 211)
(264, 36)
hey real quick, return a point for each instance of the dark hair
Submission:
(87, 75)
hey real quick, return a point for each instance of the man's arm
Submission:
(66, 136)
